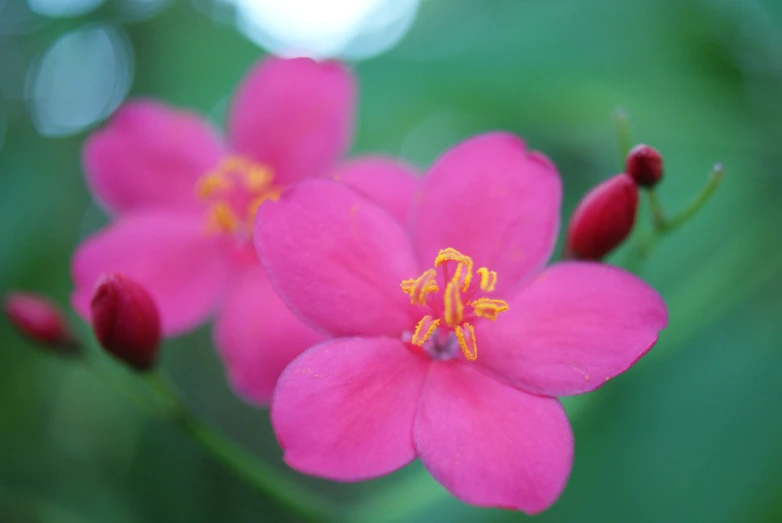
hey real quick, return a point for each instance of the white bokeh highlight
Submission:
(79, 80)
(348, 29)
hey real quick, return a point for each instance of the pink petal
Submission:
(571, 329)
(294, 115)
(150, 156)
(490, 444)
(344, 409)
(493, 201)
(386, 181)
(183, 269)
(257, 336)
(337, 260)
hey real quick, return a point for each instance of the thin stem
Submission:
(640, 251)
(245, 465)
(89, 353)
(715, 177)
(242, 463)
(643, 247)
(622, 123)
(140, 404)
(658, 215)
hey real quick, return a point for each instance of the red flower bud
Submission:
(126, 321)
(644, 165)
(40, 320)
(603, 219)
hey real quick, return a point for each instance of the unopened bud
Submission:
(40, 320)
(603, 219)
(126, 321)
(644, 165)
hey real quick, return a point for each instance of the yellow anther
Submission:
(488, 308)
(235, 181)
(257, 177)
(424, 329)
(465, 333)
(222, 218)
(211, 184)
(419, 287)
(454, 308)
(463, 274)
(268, 196)
(273, 193)
(234, 164)
(488, 279)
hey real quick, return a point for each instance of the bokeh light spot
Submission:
(355, 29)
(79, 80)
(60, 8)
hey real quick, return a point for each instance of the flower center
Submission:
(455, 301)
(234, 191)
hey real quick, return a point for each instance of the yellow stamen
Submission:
(424, 329)
(257, 178)
(488, 279)
(222, 218)
(234, 163)
(466, 337)
(454, 308)
(211, 184)
(254, 182)
(489, 308)
(419, 287)
(455, 296)
(463, 274)
(270, 196)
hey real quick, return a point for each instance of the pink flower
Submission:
(452, 343)
(183, 201)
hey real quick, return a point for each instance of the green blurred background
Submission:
(691, 433)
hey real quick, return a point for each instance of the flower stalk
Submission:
(662, 225)
(169, 407)
(642, 247)
(715, 177)
(239, 461)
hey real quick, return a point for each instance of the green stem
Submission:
(245, 465)
(658, 215)
(239, 461)
(143, 406)
(715, 177)
(89, 352)
(642, 248)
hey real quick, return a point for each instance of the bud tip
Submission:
(125, 320)
(40, 320)
(644, 165)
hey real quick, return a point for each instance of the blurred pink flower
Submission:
(462, 366)
(184, 198)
